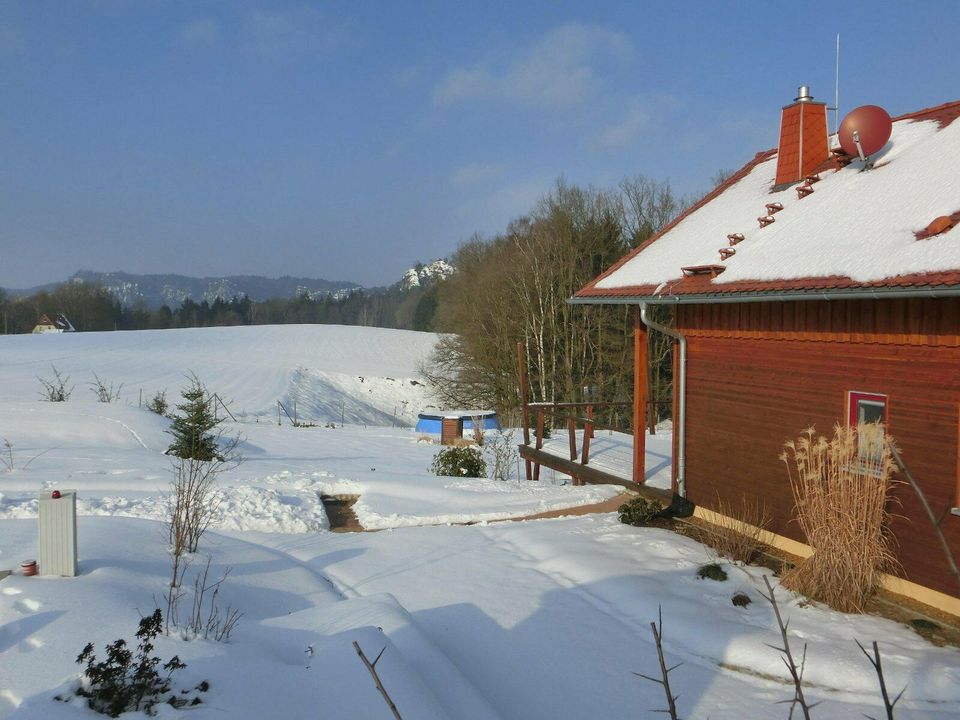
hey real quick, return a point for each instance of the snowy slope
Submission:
(536, 619)
(370, 374)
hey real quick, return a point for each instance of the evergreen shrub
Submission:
(191, 428)
(131, 681)
(459, 461)
(639, 511)
(712, 571)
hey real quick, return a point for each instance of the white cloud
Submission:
(298, 29)
(200, 33)
(624, 132)
(559, 71)
(475, 172)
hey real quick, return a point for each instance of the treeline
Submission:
(514, 287)
(90, 307)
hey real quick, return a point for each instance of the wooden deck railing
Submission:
(563, 413)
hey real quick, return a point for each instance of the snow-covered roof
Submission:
(855, 229)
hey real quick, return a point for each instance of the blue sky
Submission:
(348, 140)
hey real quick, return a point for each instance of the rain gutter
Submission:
(770, 296)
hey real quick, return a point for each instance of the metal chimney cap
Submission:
(803, 94)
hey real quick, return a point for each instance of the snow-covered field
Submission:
(534, 619)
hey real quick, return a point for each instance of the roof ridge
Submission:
(934, 109)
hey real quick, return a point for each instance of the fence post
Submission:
(587, 434)
(572, 430)
(278, 414)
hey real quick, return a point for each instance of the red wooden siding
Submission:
(759, 373)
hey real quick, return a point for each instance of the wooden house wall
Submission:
(759, 373)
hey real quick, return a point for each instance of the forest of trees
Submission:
(91, 307)
(514, 288)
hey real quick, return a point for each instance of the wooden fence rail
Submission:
(559, 415)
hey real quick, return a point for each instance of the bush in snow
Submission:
(130, 680)
(56, 390)
(194, 501)
(105, 393)
(459, 461)
(739, 527)
(208, 619)
(158, 403)
(711, 571)
(639, 511)
(500, 452)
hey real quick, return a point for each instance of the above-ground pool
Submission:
(430, 422)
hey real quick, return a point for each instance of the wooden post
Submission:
(588, 429)
(524, 400)
(536, 466)
(587, 434)
(640, 396)
(572, 431)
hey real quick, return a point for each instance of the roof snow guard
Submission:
(857, 233)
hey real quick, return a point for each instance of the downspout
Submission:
(681, 424)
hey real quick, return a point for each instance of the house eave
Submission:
(872, 293)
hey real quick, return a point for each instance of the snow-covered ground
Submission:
(534, 619)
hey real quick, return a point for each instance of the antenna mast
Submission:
(836, 97)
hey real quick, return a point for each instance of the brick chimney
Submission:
(804, 142)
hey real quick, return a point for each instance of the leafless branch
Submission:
(796, 671)
(878, 667)
(664, 679)
(372, 669)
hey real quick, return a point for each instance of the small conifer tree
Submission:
(192, 425)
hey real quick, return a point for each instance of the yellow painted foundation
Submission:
(897, 585)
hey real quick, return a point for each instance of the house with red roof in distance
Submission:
(58, 324)
(817, 285)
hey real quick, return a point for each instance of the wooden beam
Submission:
(572, 432)
(591, 474)
(640, 397)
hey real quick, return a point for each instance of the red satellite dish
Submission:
(872, 125)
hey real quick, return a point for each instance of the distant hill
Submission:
(171, 290)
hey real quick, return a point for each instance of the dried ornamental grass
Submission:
(738, 530)
(840, 488)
